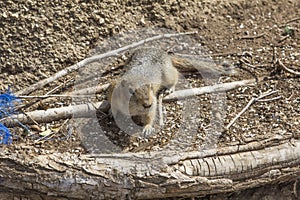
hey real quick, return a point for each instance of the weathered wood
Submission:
(53, 114)
(150, 174)
(188, 93)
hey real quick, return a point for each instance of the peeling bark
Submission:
(150, 174)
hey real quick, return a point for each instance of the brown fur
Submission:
(148, 71)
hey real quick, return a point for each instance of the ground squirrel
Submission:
(148, 71)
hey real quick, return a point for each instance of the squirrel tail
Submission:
(202, 65)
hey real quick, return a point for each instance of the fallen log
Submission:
(148, 175)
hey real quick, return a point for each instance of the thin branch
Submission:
(87, 92)
(289, 21)
(240, 113)
(29, 117)
(253, 100)
(266, 94)
(295, 188)
(287, 69)
(292, 20)
(243, 60)
(49, 136)
(187, 93)
(57, 87)
(283, 38)
(252, 36)
(226, 54)
(52, 95)
(92, 59)
(271, 99)
(91, 90)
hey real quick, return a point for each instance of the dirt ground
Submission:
(39, 38)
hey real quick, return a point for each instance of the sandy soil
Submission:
(39, 38)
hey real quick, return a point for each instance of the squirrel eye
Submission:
(131, 91)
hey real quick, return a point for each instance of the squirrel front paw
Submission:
(147, 130)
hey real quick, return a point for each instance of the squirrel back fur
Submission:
(148, 71)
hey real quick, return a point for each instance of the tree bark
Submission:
(149, 175)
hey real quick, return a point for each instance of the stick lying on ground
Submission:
(92, 59)
(53, 114)
(77, 93)
(287, 69)
(182, 94)
(252, 101)
(85, 110)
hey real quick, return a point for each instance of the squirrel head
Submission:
(133, 97)
(141, 97)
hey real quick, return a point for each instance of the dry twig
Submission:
(91, 90)
(283, 38)
(52, 95)
(289, 21)
(187, 93)
(49, 136)
(252, 36)
(287, 69)
(92, 59)
(53, 114)
(234, 53)
(59, 86)
(244, 61)
(295, 188)
(253, 100)
(87, 92)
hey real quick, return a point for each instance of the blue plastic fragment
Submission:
(7, 104)
(5, 135)
(7, 108)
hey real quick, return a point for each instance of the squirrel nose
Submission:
(147, 105)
